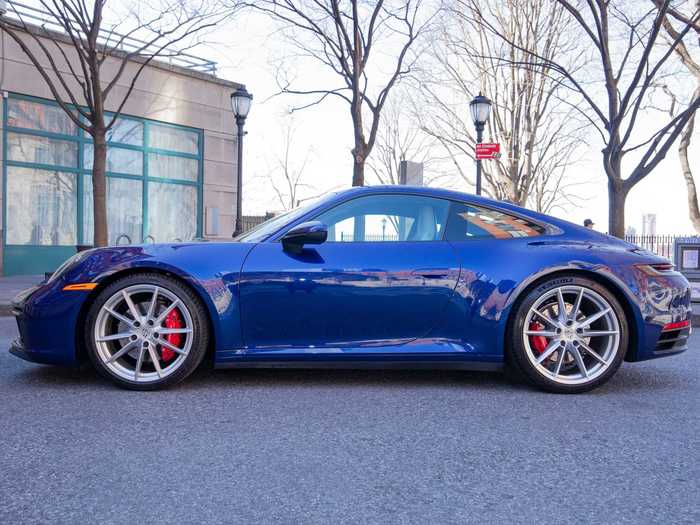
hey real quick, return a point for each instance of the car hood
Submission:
(196, 259)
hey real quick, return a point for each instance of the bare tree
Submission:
(287, 177)
(693, 67)
(538, 131)
(342, 36)
(84, 62)
(399, 138)
(628, 65)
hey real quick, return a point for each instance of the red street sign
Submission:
(487, 151)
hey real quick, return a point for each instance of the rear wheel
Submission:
(146, 332)
(569, 335)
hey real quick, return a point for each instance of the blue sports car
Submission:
(370, 277)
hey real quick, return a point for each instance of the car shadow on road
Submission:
(261, 377)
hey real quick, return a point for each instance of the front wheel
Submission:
(569, 335)
(146, 332)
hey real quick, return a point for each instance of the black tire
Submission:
(200, 330)
(517, 358)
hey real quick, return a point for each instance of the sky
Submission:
(248, 50)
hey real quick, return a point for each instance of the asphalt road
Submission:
(262, 446)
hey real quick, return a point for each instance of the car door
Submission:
(495, 256)
(382, 279)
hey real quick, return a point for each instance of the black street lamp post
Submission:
(480, 109)
(240, 103)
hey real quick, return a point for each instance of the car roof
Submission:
(441, 193)
(564, 225)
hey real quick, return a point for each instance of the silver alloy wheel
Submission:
(130, 337)
(581, 334)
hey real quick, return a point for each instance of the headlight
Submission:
(67, 264)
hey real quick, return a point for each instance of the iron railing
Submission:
(29, 15)
(251, 221)
(663, 245)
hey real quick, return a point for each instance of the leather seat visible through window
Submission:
(425, 228)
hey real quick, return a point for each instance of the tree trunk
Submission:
(358, 168)
(358, 179)
(99, 187)
(617, 195)
(693, 209)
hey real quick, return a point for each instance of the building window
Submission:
(171, 211)
(153, 178)
(119, 160)
(173, 139)
(28, 114)
(31, 149)
(124, 212)
(41, 207)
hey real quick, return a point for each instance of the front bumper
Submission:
(46, 321)
(17, 349)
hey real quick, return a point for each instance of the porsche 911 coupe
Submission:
(370, 277)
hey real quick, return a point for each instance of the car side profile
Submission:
(369, 277)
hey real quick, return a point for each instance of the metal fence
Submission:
(662, 245)
(251, 221)
(348, 237)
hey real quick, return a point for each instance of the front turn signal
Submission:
(79, 287)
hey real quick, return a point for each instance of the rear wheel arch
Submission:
(81, 351)
(609, 284)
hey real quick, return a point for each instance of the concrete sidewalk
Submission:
(11, 286)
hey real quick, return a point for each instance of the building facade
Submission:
(171, 164)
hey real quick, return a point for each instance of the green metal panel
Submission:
(26, 259)
(144, 192)
(4, 184)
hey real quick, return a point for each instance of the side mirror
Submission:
(313, 232)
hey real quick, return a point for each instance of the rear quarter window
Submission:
(467, 221)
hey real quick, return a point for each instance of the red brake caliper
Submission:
(538, 342)
(172, 320)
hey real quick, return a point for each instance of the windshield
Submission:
(264, 229)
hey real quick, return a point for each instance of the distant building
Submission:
(631, 230)
(171, 162)
(649, 224)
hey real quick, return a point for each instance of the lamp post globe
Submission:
(241, 101)
(480, 109)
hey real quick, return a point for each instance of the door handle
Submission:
(431, 273)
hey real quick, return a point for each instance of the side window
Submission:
(473, 222)
(385, 218)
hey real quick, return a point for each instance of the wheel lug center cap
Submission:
(145, 332)
(569, 334)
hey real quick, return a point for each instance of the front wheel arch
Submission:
(81, 351)
(608, 283)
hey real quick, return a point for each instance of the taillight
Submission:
(657, 268)
(676, 326)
